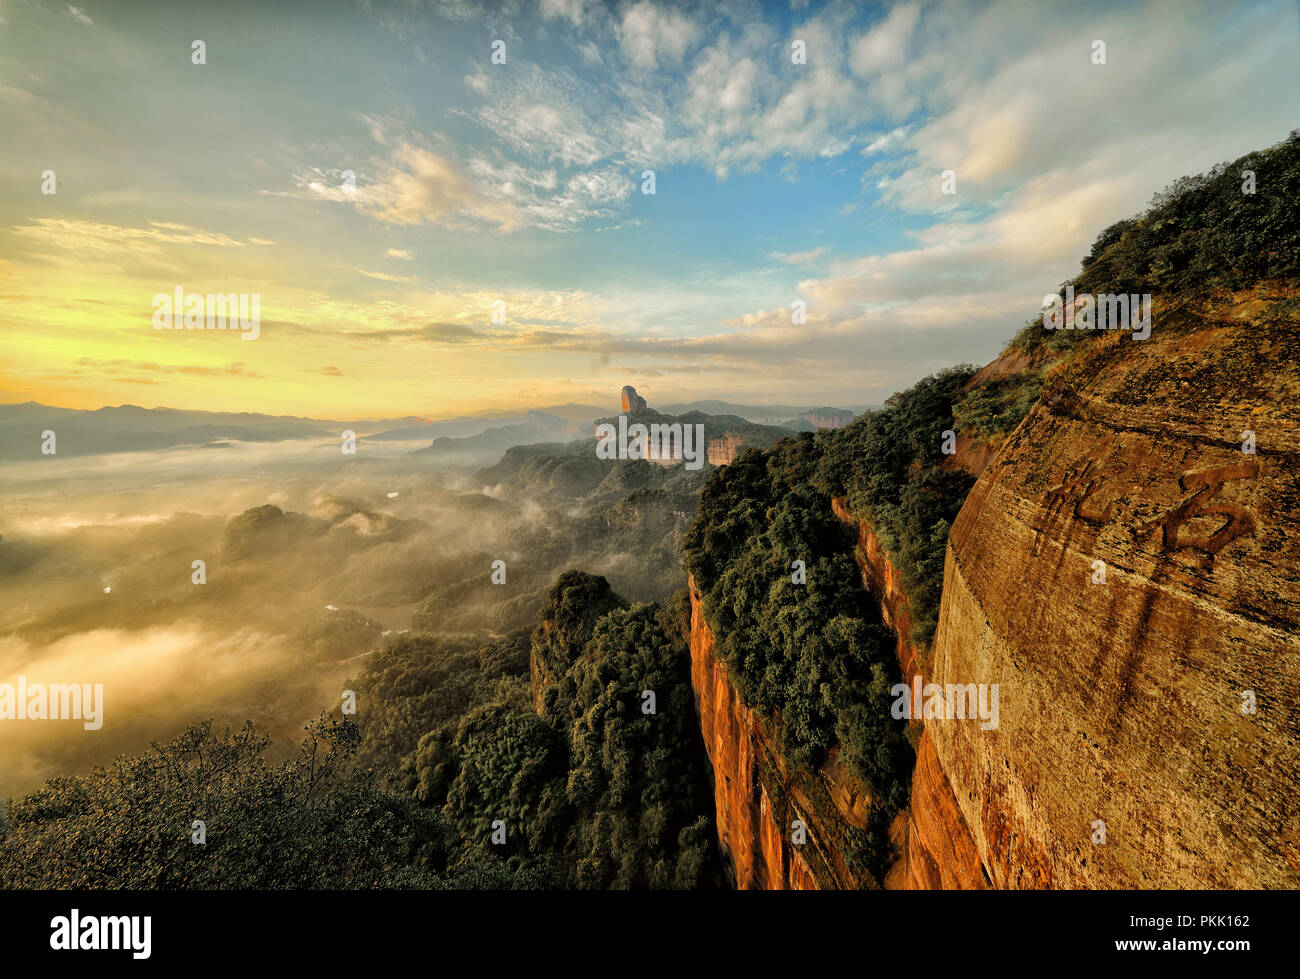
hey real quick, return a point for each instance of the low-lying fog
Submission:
(97, 582)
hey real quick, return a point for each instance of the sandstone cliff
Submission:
(630, 400)
(827, 417)
(1122, 702)
(722, 450)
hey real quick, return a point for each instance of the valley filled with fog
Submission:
(313, 559)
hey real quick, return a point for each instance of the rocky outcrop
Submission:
(722, 450)
(972, 455)
(827, 417)
(759, 798)
(631, 400)
(885, 583)
(932, 842)
(1130, 577)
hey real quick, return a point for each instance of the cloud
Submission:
(79, 15)
(93, 236)
(550, 115)
(801, 258)
(1047, 147)
(13, 94)
(573, 11)
(1035, 184)
(584, 196)
(650, 34)
(438, 333)
(416, 186)
(885, 45)
(385, 277)
(118, 367)
(423, 186)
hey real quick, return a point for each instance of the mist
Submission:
(311, 560)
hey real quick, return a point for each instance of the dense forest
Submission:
(595, 768)
(208, 811)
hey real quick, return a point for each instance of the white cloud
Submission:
(94, 236)
(79, 15)
(885, 45)
(1048, 150)
(592, 194)
(801, 258)
(573, 11)
(416, 186)
(650, 34)
(549, 115)
(386, 277)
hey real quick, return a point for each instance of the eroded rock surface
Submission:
(1123, 702)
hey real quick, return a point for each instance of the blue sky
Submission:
(520, 182)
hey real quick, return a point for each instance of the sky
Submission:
(384, 186)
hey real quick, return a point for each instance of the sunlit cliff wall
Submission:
(1120, 702)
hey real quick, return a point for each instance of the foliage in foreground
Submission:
(312, 822)
(584, 782)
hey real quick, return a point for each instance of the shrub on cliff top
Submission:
(1204, 232)
(812, 657)
(889, 465)
(1201, 233)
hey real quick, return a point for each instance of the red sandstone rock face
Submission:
(722, 450)
(630, 400)
(754, 828)
(1121, 702)
(934, 846)
(718, 451)
(745, 821)
(1118, 702)
(972, 455)
(937, 850)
